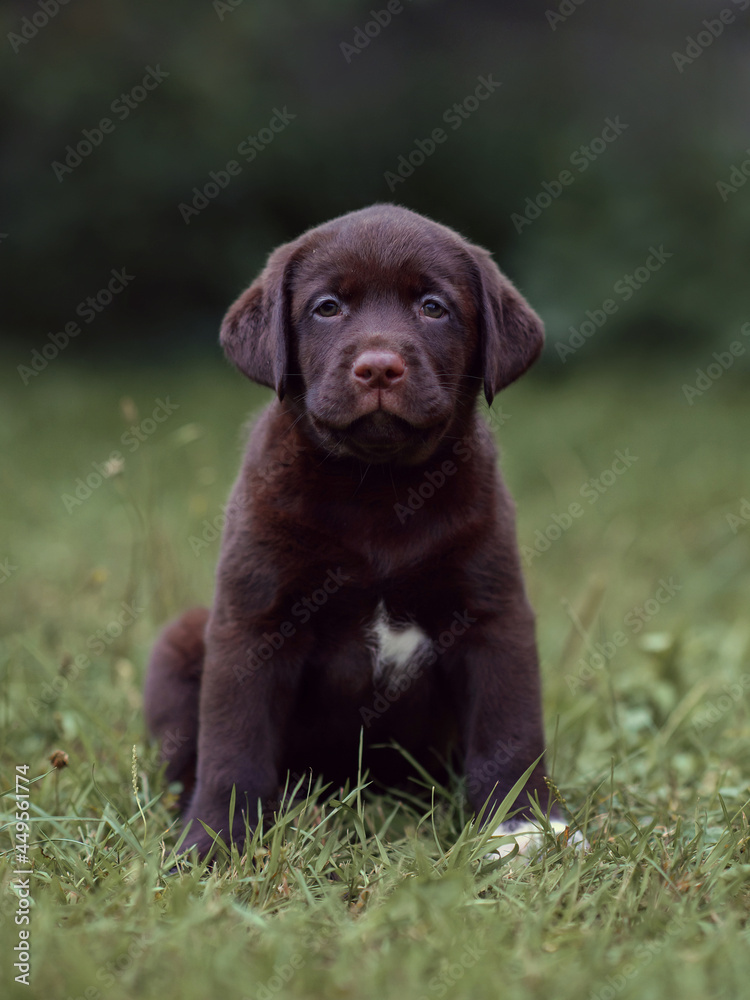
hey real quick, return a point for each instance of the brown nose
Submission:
(378, 369)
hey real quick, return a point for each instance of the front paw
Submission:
(529, 837)
(198, 839)
(207, 829)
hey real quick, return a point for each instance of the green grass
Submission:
(353, 894)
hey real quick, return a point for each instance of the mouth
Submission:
(380, 437)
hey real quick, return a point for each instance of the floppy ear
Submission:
(511, 334)
(256, 332)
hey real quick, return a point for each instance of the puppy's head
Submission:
(379, 328)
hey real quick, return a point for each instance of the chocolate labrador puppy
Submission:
(369, 579)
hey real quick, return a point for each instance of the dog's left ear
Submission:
(256, 333)
(511, 334)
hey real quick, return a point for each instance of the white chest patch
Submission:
(394, 645)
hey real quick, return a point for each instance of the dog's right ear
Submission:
(256, 332)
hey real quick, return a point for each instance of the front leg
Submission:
(246, 698)
(503, 731)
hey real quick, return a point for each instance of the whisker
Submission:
(362, 477)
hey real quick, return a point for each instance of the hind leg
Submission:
(171, 695)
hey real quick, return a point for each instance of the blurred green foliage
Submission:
(356, 113)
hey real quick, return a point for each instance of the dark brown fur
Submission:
(321, 509)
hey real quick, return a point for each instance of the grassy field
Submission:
(641, 591)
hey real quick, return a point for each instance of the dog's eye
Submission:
(328, 307)
(432, 309)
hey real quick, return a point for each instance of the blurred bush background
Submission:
(565, 68)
